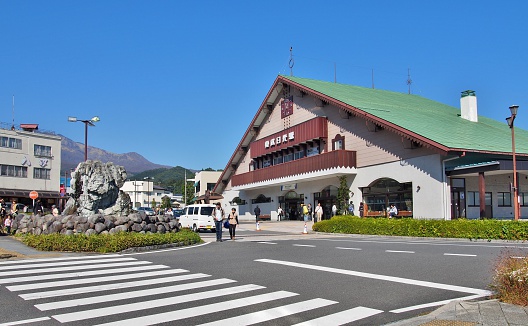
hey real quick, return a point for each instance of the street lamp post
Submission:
(86, 123)
(510, 120)
(148, 190)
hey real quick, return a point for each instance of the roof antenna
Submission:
(292, 62)
(13, 126)
(409, 80)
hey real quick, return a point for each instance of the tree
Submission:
(342, 194)
(153, 203)
(188, 198)
(165, 202)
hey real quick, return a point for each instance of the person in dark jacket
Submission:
(257, 213)
(37, 210)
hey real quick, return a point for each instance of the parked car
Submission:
(198, 217)
(149, 211)
(177, 212)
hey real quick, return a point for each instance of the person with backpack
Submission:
(233, 221)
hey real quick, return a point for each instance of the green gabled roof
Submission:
(435, 121)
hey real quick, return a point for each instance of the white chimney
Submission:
(468, 105)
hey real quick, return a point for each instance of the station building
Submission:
(429, 159)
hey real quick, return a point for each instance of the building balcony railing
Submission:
(333, 159)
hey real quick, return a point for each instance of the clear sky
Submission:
(180, 81)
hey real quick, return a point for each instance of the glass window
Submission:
(41, 150)
(504, 199)
(288, 157)
(15, 143)
(207, 211)
(277, 160)
(39, 173)
(523, 197)
(338, 144)
(298, 155)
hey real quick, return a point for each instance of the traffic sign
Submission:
(33, 195)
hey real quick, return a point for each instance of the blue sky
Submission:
(180, 81)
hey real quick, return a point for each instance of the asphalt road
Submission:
(277, 276)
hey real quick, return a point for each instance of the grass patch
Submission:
(510, 281)
(104, 243)
(461, 228)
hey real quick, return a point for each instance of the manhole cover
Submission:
(439, 322)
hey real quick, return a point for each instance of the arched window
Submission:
(383, 192)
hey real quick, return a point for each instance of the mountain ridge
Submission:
(72, 153)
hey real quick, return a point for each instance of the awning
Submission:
(25, 193)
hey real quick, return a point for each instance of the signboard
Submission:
(287, 107)
(62, 190)
(291, 186)
(33, 195)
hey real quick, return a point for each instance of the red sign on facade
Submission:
(286, 107)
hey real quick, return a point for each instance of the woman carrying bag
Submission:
(233, 221)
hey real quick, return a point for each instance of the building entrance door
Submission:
(458, 198)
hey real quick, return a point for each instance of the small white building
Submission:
(144, 191)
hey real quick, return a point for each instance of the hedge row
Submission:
(461, 228)
(104, 243)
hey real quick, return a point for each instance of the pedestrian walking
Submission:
(7, 223)
(334, 210)
(218, 215)
(318, 212)
(351, 208)
(14, 209)
(233, 222)
(37, 210)
(361, 209)
(257, 213)
(280, 214)
(305, 212)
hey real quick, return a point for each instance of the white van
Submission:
(198, 217)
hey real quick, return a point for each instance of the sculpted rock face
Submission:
(95, 188)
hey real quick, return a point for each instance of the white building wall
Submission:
(425, 172)
(26, 157)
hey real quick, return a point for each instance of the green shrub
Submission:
(106, 243)
(461, 228)
(510, 281)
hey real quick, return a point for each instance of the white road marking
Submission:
(342, 317)
(429, 243)
(145, 305)
(28, 261)
(148, 276)
(27, 321)
(64, 263)
(165, 250)
(401, 251)
(347, 248)
(301, 245)
(131, 294)
(265, 242)
(201, 310)
(273, 313)
(434, 304)
(379, 277)
(462, 255)
(518, 257)
(75, 268)
(80, 274)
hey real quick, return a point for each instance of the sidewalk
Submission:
(11, 248)
(465, 313)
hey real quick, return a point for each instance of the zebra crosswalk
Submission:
(120, 290)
